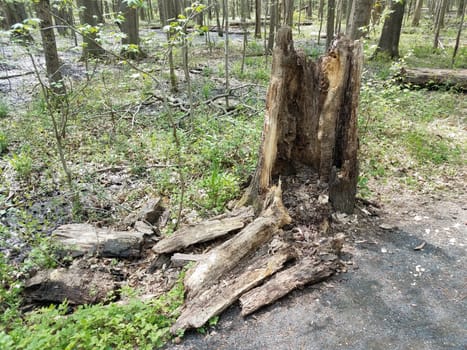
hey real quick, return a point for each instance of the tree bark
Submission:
(439, 21)
(273, 19)
(390, 35)
(359, 19)
(14, 12)
(258, 19)
(460, 8)
(311, 120)
(308, 271)
(49, 44)
(88, 16)
(434, 78)
(197, 311)
(130, 27)
(206, 231)
(224, 257)
(330, 22)
(417, 13)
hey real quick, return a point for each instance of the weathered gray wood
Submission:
(81, 239)
(224, 257)
(150, 213)
(179, 259)
(77, 286)
(307, 271)
(213, 301)
(428, 77)
(205, 231)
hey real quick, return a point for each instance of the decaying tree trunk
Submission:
(311, 119)
(310, 270)
(310, 138)
(206, 231)
(223, 258)
(77, 286)
(433, 78)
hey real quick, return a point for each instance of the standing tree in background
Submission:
(88, 17)
(360, 16)
(417, 13)
(273, 20)
(52, 62)
(439, 21)
(330, 22)
(258, 19)
(389, 40)
(460, 8)
(288, 12)
(130, 27)
(13, 11)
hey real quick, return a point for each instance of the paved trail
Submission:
(392, 297)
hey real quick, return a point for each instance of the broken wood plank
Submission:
(211, 302)
(433, 78)
(75, 285)
(307, 271)
(82, 239)
(179, 259)
(205, 231)
(224, 257)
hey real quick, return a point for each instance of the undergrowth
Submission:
(136, 324)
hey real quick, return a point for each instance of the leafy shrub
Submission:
(3, 142)
(3, 109)
(22, 164)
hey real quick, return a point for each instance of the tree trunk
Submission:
(458, 37)
(88, 17)
(52, 61)
(288, 12)
(417, 13)
(273, 11)
(390, 35)
(359, 19)
(258, 19)
(130, 27)
(311, 120)
(460, 8)
(330, 22)
(439, 21)
(14, 12)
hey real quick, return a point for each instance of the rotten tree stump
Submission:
(310, 139)
(311, 119)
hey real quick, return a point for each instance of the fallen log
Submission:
(434, 78)
(307, 271)
(224, 257)
(75, 285)
(206, 231)
(211, 302)
(82, 239)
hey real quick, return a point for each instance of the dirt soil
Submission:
(392, 297)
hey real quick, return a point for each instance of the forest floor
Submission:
(413, 165)
(392, 297)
